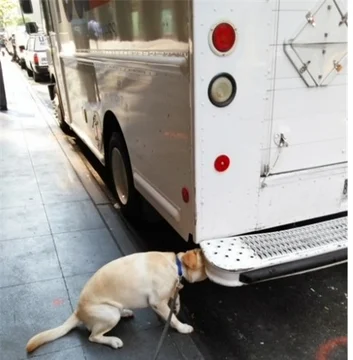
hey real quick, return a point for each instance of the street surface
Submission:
(293, 318)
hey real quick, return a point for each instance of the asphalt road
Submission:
(297, 318)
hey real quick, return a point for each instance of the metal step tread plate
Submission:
(227, 258)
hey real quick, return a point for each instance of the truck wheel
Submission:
(29, 72)
(59, 112)
(35, 77)
(128, 198)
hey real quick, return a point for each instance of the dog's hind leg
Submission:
(101, 319)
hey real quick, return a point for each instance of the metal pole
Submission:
(3, 101)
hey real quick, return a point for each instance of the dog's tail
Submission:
(53, 334)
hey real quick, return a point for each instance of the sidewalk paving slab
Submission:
(86, 251)
(30, 260)
(30, 308)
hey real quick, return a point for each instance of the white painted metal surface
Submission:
(228, 257)
(266, 184)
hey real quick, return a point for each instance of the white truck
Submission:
(229, 117)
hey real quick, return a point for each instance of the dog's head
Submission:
(194, 265)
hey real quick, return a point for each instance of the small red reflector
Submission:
(35, 59)
(223, 37)
(185, 194)
(222, 163)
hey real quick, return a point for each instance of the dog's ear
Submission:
(191, 259)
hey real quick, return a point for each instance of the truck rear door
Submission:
(307, 120)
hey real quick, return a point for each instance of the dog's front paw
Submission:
(185, 329)
(116, 343)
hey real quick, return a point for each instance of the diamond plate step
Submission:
(227, 258)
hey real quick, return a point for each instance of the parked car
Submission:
(36, 56)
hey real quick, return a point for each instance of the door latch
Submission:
(280, 140)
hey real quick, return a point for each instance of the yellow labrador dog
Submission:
(131, 282)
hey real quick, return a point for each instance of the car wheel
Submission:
(127, 197)
(29, 72)
(59, 112)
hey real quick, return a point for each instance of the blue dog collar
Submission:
(180, 267)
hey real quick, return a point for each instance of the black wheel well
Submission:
(110, 125)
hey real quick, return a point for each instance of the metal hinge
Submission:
(304, 67)
(344, 20)
(338, 67)
(345, 188)
(266, 169)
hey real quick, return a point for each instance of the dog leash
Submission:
(178, 286)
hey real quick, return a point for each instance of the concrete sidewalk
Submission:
(53, 235)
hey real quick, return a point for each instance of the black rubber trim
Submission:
(293, 267)
(232, 96)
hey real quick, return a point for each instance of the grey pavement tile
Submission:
(143, 319)
(60, 184)
(85, 251)
(48, 158)
(19, 190)
(58, 164)
(12, 145)
(28, 260)
(137, 346)
(126, 240)
(73, 216)
(36, 122)
(75, 353)
(19, 165)
(28, 309)
(8, 120)
(41, 140)
(21, 222)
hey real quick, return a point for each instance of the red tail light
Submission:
(222, 163)
(35, 59)
(223, 37)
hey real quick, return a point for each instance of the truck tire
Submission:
(127, 197)
(29, 72)
(35, 77)
(59, 112)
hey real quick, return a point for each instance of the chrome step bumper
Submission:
(247, 259)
